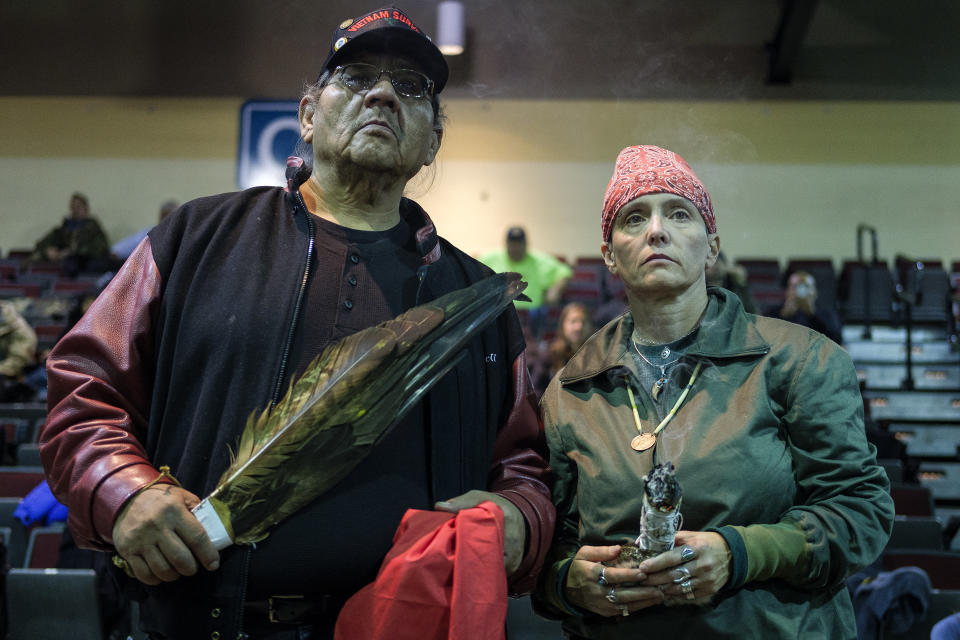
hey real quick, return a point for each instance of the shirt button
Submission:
(215, 613)
(352, 280)
(354, 258)
(348, 304)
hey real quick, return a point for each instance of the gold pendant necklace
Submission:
(643, 441)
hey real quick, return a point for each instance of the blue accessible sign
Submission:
(269, 132)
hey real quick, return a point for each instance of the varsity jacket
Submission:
(193, 334)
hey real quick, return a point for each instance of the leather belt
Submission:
(295, 609)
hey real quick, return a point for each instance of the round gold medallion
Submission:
(643, 442)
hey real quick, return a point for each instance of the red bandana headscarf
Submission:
(648, 169)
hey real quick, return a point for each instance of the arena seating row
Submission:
(862, 290)
(918, 406)
(925, 284)
(38, 279)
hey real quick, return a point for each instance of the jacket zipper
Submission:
(301, 291)
(296, 310)
(421, 276)
(243, 591)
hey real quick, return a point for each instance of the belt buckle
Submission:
(272, 612)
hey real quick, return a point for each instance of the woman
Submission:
(782, 496)
(575, 326)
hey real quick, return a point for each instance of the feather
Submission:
(347, 399)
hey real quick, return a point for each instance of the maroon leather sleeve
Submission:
(98, 402)
(521, 475)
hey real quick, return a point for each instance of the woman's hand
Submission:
(692, 581)
(616, 594)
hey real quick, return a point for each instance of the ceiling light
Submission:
(450, 27)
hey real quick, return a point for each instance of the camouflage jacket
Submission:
(81, 237)
(18, 342)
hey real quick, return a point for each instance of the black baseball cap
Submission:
(390, 29)
(516, 234)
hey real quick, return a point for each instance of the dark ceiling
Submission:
(559, 49)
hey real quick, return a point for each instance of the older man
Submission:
(231, 297)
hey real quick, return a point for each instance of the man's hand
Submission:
(160, 539)
(514, 526)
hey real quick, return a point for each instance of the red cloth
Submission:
(648, 169)
(443, 579)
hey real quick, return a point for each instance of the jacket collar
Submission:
(428, 243)
(726, 331)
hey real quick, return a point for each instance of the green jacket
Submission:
(770, 451)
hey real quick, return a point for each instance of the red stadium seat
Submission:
(43, 549)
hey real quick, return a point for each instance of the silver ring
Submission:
(612, 596)
(602, 580)
(684, 575)
(687, 554)
(624, 611)
(687, 587)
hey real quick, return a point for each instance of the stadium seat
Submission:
(28, 454)
(17, 542)
(911, 499)
(893, 469)
(916, 532)
(17, 482)
(43, 547)
(856, 303)
(9, 269)
(53, 604)
(761, 269)
(943, 567)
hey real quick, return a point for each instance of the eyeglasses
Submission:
(360, 77)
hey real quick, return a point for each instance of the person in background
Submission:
(800, 307)
(546, 276)
(79, 243)
(573, 328)
(782, 497)
(18, 348)
(228, 300)
(731, 277)
(123, 248)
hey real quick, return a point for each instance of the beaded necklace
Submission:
(643, 441)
